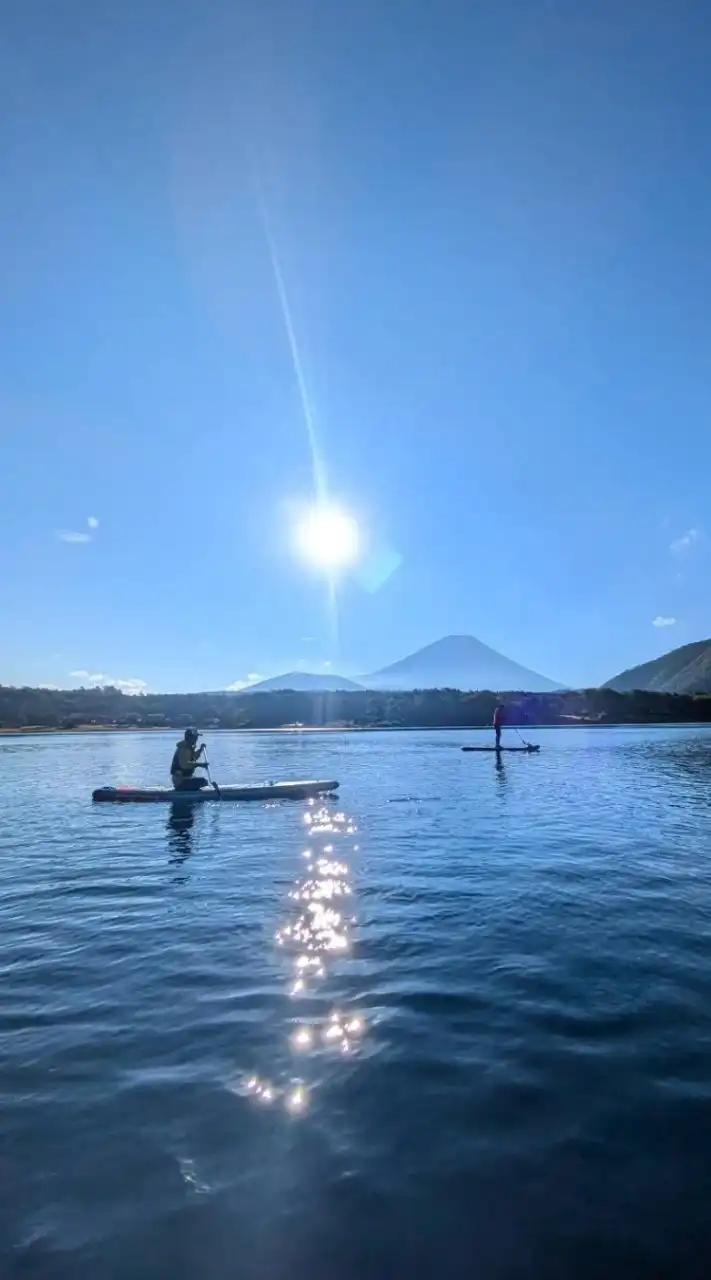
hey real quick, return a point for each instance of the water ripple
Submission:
(460, 1025)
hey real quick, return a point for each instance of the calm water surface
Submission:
(455, 1023)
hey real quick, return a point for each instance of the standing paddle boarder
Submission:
(186, 759)
(499, 720)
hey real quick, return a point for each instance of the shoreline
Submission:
(294, 730)
(107, 710)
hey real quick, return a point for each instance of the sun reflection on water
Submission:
(317, 932)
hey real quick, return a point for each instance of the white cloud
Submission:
(133, 687)
(253, 677)
(71, 535)
(77, 536)
(685, 542)
(100, 678)
(661, 621)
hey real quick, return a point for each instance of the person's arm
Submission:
(188, 757)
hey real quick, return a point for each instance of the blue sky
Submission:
(491, 221)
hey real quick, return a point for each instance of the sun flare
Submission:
(327, 537)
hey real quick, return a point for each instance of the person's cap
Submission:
(191, 733)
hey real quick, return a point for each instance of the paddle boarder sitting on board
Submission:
(499, 720)
(186, 759)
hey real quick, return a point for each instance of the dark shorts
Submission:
(188, 784)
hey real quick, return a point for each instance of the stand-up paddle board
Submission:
(267, 791)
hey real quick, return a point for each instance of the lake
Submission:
(456, 1022)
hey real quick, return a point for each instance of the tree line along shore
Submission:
(24, 709)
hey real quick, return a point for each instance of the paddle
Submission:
(528, 745)
(214, 785)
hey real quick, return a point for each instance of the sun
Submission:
(327, 537)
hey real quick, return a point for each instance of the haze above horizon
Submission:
(447, 271)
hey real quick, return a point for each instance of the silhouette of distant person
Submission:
(499, 721)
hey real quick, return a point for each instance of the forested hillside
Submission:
(74, 708)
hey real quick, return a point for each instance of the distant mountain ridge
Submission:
(454, 662)
(683, 670)
(466, 663)
(459, 662)
(305, 682)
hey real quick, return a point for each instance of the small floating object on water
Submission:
(414, 799)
